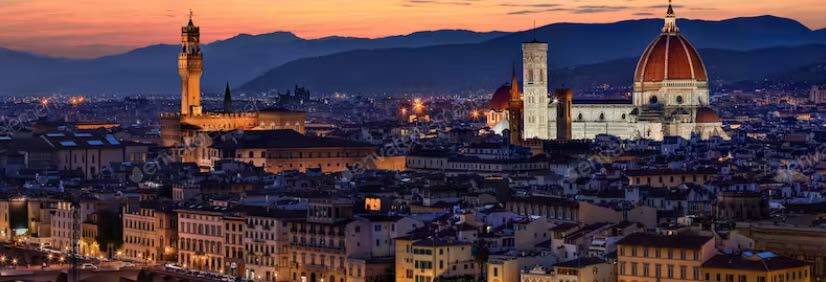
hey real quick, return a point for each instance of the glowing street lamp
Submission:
(418, 106)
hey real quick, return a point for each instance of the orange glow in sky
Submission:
(86, 28)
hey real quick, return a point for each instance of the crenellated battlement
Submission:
(232, 115)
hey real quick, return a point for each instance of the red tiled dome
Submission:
(670, 56)
(501, 98)
(706, 115)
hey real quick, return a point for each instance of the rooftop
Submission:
(763, 261)
(665, 241)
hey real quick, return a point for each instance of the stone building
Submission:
(283, 150)
(432, 258)
(669, 258)
(201, 239)
(798, 236)
(149, 232)
(555, 209)
(266, 243)
(182, 128)
(760, 266)
(741, 206)
(670, 96)
(317, 243)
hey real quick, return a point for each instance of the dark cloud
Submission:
(702, 9)
(664, 6)
(528, 12)
(589, 9)
(539, 5)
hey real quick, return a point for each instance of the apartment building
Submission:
(663, 258)
(201, 238)
(149, 232)
(425, 260)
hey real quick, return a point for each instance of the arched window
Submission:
(652, 100)
(251, 154)
(623, 116)
(601, 116)
(579, 117)
(679, 99)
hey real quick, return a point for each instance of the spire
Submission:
(670, 26)
(190, 17)
(514, 85)
(227, 100)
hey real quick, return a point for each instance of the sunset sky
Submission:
(88, 28)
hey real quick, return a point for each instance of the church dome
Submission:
(706, 115)
(670, 57)
(500, 99)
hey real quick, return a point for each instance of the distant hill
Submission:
(789, 64)
(154, 68)
(443, 77)
(432, 62)
(483, 66)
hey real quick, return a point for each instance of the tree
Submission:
(480, 252)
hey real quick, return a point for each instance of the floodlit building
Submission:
(670, 97)
(149, 232)
(186, 128)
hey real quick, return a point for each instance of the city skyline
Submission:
(91, 29)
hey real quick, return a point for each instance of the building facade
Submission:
(183, 128)
(201, 239)
(760, 267)
(149, 233)
(669, 258)
(670, 96)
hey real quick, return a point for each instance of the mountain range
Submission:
(585, 54)
(153, 69)
(445, 61)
